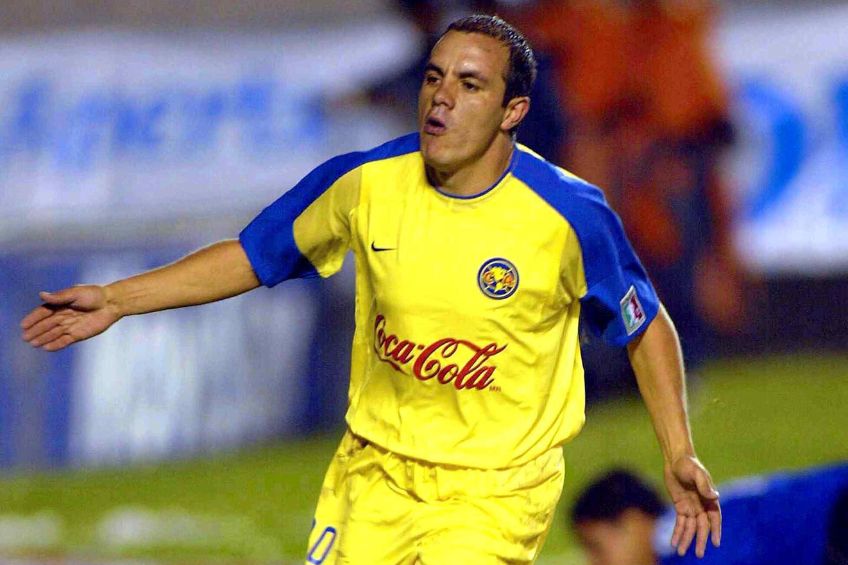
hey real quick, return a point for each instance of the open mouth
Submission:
(434, 126)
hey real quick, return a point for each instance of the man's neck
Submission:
(477, 176)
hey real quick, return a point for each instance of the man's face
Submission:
(619, 542)
(460, 106)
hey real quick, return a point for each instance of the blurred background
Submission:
(132, 132)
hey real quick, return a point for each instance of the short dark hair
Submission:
(608, 497)
(522, 63)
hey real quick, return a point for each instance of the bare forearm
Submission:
(658, 365)
(213, 273)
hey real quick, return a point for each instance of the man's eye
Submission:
(471, 87)
(431, 79)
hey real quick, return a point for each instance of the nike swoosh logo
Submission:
(378, 249)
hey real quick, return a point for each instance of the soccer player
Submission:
(797, 518)
(474, 258)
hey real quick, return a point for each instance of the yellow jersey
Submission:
(466, 349)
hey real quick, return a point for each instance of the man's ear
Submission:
(515, 111)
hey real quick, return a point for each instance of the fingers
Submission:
(677, 534)
(54, 339)
(44, 325)
(60, 343)
(696, 523)
(48, 336)
(35, 316)
(711, 513)
(55, 332)
(51, 299)
(689, 528)
(714, 516)
(703, 532)
(698, 529)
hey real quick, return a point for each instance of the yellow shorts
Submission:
(379, 508)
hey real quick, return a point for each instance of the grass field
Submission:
(748, 416)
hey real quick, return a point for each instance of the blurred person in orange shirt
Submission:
(649, 116)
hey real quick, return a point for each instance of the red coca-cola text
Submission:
(432, 361)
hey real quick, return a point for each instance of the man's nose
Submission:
(445, 94)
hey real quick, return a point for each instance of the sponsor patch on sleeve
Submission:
(631, 311)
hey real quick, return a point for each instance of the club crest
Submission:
(498, 278)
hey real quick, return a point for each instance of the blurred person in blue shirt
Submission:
(788, 518)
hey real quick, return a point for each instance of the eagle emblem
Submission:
(498, 278)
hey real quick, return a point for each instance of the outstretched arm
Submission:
(658, 365)
(218, 271)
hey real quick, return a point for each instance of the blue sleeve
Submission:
(620, 300)
(269, 239)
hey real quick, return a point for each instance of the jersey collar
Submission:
(487, 190)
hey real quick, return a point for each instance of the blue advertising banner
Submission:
(789, 67)
(137, 126)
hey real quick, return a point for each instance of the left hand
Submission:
(696, 502)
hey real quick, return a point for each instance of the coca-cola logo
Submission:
(435, 361)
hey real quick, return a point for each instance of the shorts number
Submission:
(322, 545)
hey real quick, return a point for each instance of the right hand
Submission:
(68, 316)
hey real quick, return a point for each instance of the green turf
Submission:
(748, 416)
